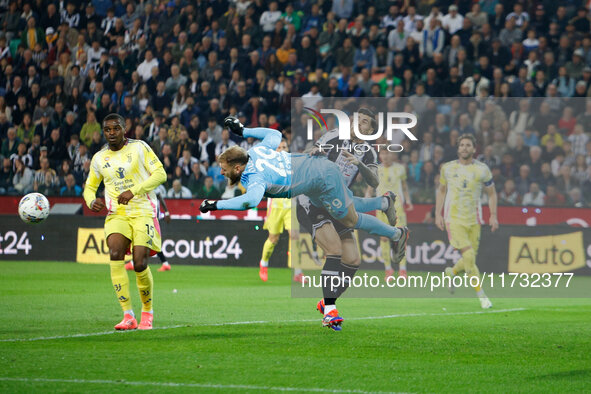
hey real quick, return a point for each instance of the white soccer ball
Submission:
(33, 208)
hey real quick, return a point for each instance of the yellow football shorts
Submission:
(141, 231)
(401, 221)
(278, 219)
(462, 236)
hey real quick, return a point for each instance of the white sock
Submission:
(385, 203)
(328, 308)
(480, 294)
(129, 312)
(151, 312)
(264, 263)
(165, 263)
(297, 271)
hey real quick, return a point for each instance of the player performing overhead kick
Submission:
(130, 171)
(459, 195)
(265, 172)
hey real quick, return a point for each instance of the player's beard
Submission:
(234, 177)
(466, 155)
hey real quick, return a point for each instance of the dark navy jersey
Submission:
(363, 151)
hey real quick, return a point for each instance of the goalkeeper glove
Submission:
(208, 205)
(234, 125)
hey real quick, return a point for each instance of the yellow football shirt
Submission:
(126, 169)
(464, 188)
(391, 180)
(281, 203)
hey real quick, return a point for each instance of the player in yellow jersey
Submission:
(460, 187)
(130, 171)
(278, 219)
(393, 178)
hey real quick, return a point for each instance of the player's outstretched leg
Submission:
(121, 285)
(165, 265)
(387, 257)
(145, 285)
(118, 244)
(268, 249)
(383, 203)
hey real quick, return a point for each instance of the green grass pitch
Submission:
(224, 330)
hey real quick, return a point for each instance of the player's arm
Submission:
(492, 205)
(154, 167)
(369, 173)
(270, 138)
(91, 186)
(164, 208)
(251, 199)
(439, 199)
(406, 194)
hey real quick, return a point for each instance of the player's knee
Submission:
(274, 238)
(140, 264)
(353, 260)
(469, 257)
(116, 254)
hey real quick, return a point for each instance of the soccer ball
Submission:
(33, 208)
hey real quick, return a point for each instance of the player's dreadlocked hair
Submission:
(468, 137)
(234, 155)
(120, 119)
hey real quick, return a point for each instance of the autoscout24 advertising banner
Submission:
(359, 164)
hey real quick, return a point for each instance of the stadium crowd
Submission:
(516, 74)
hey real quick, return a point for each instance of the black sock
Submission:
(161, 257)
(334, 267)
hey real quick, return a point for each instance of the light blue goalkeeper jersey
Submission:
(269, 173)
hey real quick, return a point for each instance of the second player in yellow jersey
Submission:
(393, 178)
(460, 185)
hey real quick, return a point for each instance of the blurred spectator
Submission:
(576, 198)
(70, 189)
(535, 196)
(178, 190)
(22, 182)
(554, 197)
(564, 181)
(231, 191)
(10, 144)
(578, 139)
(208, 190)
(6, 175)
(508, 195)
(89, 128)
(46, 180)
(22, 155)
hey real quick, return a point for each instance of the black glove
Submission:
(208, 205)
(234, 125)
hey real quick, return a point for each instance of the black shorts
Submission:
(313, 217)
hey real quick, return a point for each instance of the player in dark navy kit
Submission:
(353, 156)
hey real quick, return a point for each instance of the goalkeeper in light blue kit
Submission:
(265, 172)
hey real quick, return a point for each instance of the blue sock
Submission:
(368, 204)
(375, 226)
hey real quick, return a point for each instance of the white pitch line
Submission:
(83, 335)
(174, 384)
(238, 323)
